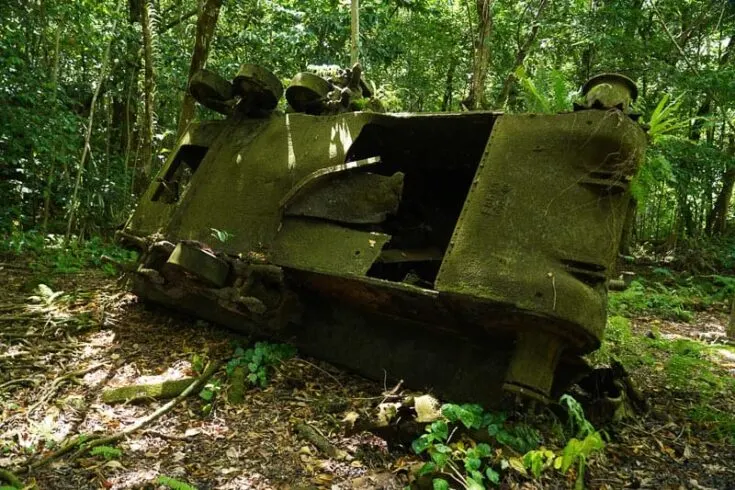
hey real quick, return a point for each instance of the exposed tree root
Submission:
(153, 391)
(194, 386)
(8, 477)
(319, 441)
(18, 382)
(57, 383)
(84, 444)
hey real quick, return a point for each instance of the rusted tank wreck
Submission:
(464, 252)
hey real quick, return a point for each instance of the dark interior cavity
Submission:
(439, 157)
(178, 176)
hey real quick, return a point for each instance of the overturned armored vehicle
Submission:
(467, 252)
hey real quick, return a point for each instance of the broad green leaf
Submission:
(473, 484)
(440, 429)
(439, 458)
(493, 476)
(440, 484)
(472, 463)
(428, 467)
(421, 444)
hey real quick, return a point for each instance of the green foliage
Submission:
(221, 235)
(671, 295)
(210, 390)
(197, 363)
(579, 424)
(475, 461)
(451, 450)
(720, 423)
(519, 436)
(51, 252)
(539, 460)
(643, 297)
(173, 483)
(575, 452)
(440, 484)
(547, 93)
(107, 452)
(677, 186)
(687, 366)
(259, 359)
(663, 119)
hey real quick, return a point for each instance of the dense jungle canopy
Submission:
(119, 70)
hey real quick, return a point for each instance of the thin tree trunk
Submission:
(129, 138)
(148, 88)
(52, 163)
(717, 218)
(206, 24)
(178, 21)
(521, 56)
(87, 139)
(481, 58)
(449, 86)
(626, 239)
(355, 30)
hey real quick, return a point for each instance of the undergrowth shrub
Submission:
(455, 453)
(50, 252)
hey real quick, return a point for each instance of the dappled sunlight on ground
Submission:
(58, 358)
(91, 338)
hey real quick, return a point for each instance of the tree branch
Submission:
(175, 22)
(691, 66)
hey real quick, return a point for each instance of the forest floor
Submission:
(62, 345)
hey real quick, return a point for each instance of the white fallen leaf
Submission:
(116, 465)
(427, 409)
(232, 454)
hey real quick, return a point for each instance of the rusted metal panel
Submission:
(325, 247)
(534, 232)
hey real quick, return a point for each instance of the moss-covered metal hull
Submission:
(465, 252)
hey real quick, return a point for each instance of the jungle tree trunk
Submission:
(521, 56)
(626, 238)
(449, 86)
(481, 59)
(355, 24)
(148, 100)
(717, 219)
(87, 139)
(206, 24)
(52, 163)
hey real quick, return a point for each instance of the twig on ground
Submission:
(320, 369)
(57, 383)
(319, 441)
(86, 444)
(198, 383)
(163, 435)
(17, 382)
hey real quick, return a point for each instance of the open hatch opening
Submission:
(177, 177)
(438, 156)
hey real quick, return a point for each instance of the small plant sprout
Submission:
(221, 235)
